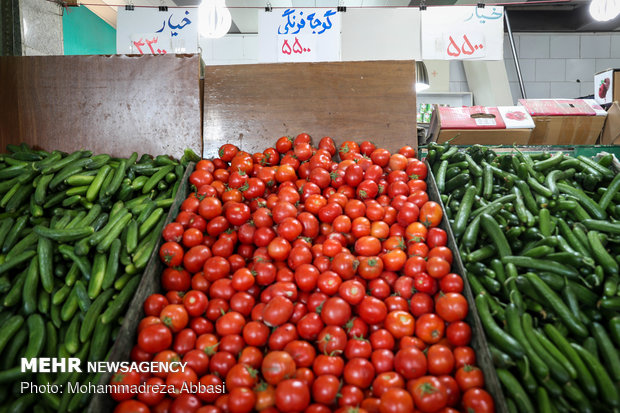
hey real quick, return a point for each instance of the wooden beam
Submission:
(105, 12)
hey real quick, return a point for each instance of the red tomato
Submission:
(478, 401)
(171, 253)
(400, 323)
(430, 328)
(325, 389)
(429, 394)
(154, 304)
(292, 395)
(359, 372)
(468, 377)
(458, 333)
(155, 338)
(451, 307)
(129, 379)
(396, 400)
(436, 237)
(410, 363)
(195, 303)
(440, 360)
(464, 355)
(276, 366)
(431, 214)
(173, 232)
(175, 317)
(131, 406)
(451, 283)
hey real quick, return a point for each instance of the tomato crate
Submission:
(149, 284)
(479, 342)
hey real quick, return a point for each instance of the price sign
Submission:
(463, 33)
(295, 48)
(150, 43)
(150, 31)
(299, 35)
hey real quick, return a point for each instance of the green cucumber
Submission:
(606, 386)
(98, 274)
(36, 336)
(91, 316)
(29, 293)
(119, 304)
(498, 336)
(95, 185)
(111, 268)
(14, 295)
(542, 265)
(601, 255)
(515, 390)
(82, 263)
(83, 299)
(607, 349)
(46, 266)
(558, 306)
(114, 233)
(584, 377)
(64, 235)
(515, 329)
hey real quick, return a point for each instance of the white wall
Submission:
(559, 65)
(232, 49)
(41, 24)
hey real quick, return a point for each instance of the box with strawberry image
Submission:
(603, 87)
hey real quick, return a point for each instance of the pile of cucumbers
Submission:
(539, 235)
(76, 232)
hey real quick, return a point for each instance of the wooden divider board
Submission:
(253, 105)
(108, 104)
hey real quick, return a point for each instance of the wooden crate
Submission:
(149, 284)
(108, 104)
(478, 342)
(253, 105)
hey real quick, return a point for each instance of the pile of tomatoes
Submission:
(308, 284)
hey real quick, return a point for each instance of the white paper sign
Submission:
(381, 34)
(299, 35)
(463, 33)
(174, 31)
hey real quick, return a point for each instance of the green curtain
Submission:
(10, 31)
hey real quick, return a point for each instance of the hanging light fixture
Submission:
(213, 19)
(421, 77)
(604, 10)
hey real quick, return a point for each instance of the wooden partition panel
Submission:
(253, 105)
(108, 104)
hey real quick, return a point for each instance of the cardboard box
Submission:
(611, 131)
(565, 121)
(481, 125)
(607, 86)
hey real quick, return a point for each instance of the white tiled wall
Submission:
(556, 65)
(232, 49)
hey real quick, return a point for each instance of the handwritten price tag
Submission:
(460, 45)
(300, 48)
(150, 43)
(463, 33)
